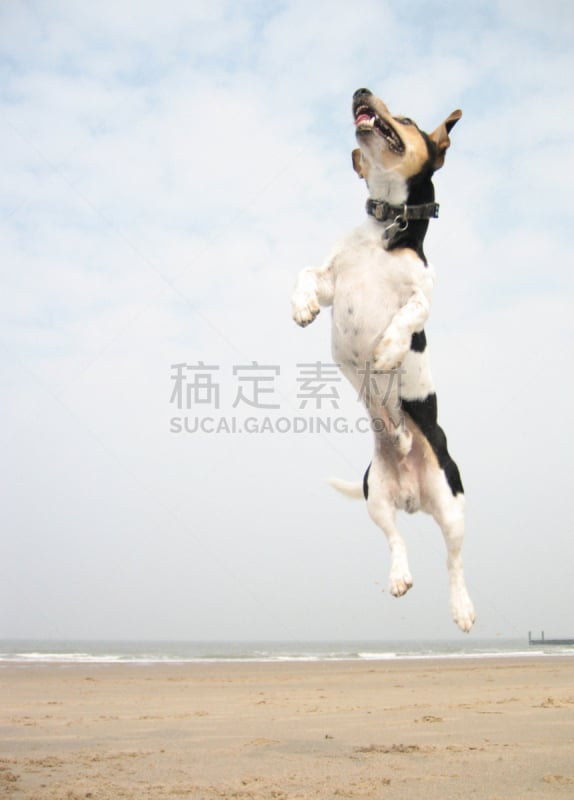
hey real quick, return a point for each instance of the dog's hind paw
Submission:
(305, 308)
(463, 610)
(400, 584)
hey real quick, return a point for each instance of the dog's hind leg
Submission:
(383, 512)
(443, 496)
(387, 416)
(448, 510)
(392, 420)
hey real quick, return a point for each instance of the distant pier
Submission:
(542, 640)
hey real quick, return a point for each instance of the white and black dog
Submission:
(379, 285)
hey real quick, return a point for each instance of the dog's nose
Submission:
(360, 93)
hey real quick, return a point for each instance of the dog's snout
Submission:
(361, 93)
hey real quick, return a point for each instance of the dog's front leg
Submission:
(395, 342)
(314, 288)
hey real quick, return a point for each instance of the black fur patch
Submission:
(424, 414)
(419, 342)
(366, 483)
(420, 190)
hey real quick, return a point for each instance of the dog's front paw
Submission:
(305, 308)
(390, 352)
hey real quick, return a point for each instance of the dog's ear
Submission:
(357, 165)
(440, 137)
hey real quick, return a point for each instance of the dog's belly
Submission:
(363, 306)
(357, 327)
(360, 317)
(371, 286)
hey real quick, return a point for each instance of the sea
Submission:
(23, 652)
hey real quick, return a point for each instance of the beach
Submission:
(490, 728)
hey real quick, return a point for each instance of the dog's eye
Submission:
(404, 120)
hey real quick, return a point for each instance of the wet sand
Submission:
(493, 729)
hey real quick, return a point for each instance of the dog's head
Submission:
(393, 148)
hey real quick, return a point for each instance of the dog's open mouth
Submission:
(367, 121)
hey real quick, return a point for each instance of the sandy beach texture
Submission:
(490, 729)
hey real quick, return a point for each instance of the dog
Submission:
(379, 285)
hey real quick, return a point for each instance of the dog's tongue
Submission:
(362, 118)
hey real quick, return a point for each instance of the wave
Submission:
(98, 652)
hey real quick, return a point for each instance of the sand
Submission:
(490, 729)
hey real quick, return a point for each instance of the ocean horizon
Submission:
(79, 651)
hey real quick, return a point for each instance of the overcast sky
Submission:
(166, 170)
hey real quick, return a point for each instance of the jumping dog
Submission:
(379, 285)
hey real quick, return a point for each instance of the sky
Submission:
(167, 169)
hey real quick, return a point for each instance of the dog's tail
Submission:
(352, 490)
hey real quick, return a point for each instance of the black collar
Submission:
(396, 218)
(381, 210)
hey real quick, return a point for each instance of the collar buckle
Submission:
(398, 225)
